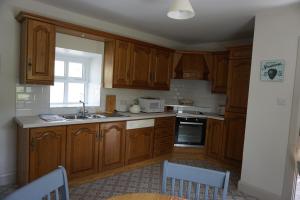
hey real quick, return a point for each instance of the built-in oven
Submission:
(190, 131)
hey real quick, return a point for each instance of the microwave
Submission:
(151, 105)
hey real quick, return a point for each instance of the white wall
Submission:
(267, 127)
(9, 58)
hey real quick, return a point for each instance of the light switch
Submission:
(281, 101)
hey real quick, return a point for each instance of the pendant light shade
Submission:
(181, 9)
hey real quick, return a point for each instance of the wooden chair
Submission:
(51, 186)
(193, 178)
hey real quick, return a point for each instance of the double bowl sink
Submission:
(92, 116)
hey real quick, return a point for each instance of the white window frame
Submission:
(66, 79)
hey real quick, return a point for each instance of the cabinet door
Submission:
(139, 145)
(163, 141)
(121, 71)
(234, 136)
(214, 137)
(82, 149)
(47, 150)
(161, 69)
(113, 145)
(238, 85)
(220, 73)
(164, 135)
(40, 53)
(140, 66)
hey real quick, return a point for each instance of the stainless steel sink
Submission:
(92, 116)
(74, 116)
(115, 114)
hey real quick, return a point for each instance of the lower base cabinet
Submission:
(234, 136)
(225, 139)
(164, 135)
(82, 149)
(214, 138)
(139, 145)
(112, 150)
(86, 149)
(47, 150)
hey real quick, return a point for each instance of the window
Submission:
(71, 81)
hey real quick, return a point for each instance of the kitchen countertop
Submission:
(35, 121)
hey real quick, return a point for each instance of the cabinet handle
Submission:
(33, 144)
(29, 64)
(101, 134)
(128, 75)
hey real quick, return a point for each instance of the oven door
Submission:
(190, 131)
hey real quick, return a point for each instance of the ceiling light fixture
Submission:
(181, 9)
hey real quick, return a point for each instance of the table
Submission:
(144, 196)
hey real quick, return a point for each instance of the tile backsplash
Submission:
(198, 91)
(34, 100)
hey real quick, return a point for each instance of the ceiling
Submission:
(215, 20)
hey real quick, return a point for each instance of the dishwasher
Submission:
(139, 140)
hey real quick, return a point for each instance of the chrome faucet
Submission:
(83, 108)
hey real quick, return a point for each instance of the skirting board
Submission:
(8, 178)
(257, 192)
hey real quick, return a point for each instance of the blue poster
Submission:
(272, 70)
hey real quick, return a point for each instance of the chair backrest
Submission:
(194, 178)
(51, 186)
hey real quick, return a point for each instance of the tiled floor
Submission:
(146, 179)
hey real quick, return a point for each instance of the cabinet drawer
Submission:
(164, 132)
(164, 141)
(163, 145)
(168, 122)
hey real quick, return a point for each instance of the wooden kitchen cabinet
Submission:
(238, 85)
(238, 79)
(214, 138)
(140, 66)
(219, 72)
(134, 65)
(164, 133)
(82, 154)
(47, 150)
(161, 69)
(234, 136)
(112, 151)
(139, 145)
(122, 64)
(37, 52)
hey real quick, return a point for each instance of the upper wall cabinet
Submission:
(134, 65)
(238, 79)
(192, 66)
(140, 66)
(37, 52)
(161, 69)
(219, 72)
(121, 75)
